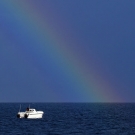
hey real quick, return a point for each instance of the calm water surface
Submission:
(70, 119)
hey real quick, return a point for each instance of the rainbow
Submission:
(50, 42)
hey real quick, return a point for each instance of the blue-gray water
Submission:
(70, 119)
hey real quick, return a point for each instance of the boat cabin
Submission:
(31, 110)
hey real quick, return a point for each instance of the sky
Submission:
(67, 51)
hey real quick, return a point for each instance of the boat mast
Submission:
(20, 108)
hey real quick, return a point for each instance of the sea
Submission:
(69, 119)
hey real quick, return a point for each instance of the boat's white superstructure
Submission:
(30, 113)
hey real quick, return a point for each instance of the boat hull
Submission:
(33, 115)
(30, 114)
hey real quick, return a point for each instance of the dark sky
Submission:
(67, 51)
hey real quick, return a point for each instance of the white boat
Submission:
(30, 114)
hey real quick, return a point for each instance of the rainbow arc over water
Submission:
(45, 40)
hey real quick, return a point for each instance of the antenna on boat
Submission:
(20, 108)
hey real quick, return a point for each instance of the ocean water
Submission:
(70, 119)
